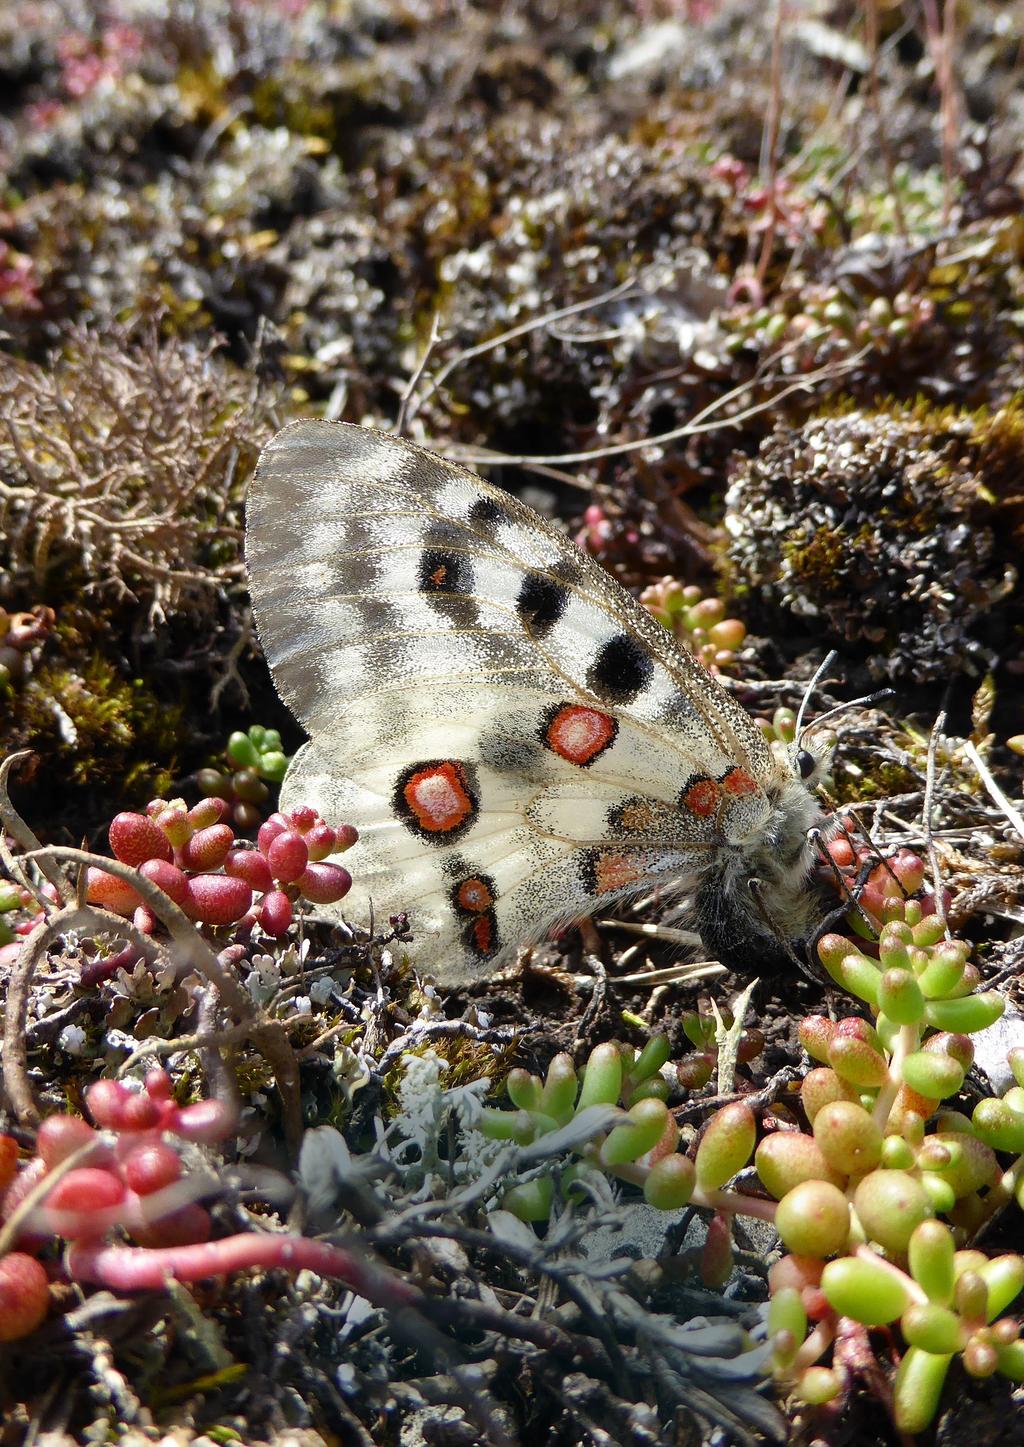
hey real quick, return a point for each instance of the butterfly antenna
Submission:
(863, 702)
(825, 664)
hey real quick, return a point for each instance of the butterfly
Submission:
(515, 738)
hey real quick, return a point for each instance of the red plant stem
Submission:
(141, 1268)
(732, 1203)
(94, 972)
(815, 1345)
(916, 1292)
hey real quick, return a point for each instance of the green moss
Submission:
(817, 559)
(464, 1060)
(884, 780)
(98, 727)
(298, 104)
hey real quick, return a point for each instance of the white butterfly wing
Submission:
(510, 732)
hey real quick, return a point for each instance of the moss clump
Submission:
(96, 729)
(893, 531)
(852, 785)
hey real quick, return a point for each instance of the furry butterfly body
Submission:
(513, 736)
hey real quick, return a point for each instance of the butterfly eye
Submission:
(806, 763)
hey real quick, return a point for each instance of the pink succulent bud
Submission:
(275, 913)
(208, 1121)
(325, 883)
(106, 1100)
(86, 1189)
(321, 840)
(217, 899)
(815, 1033)
(175, 823)
(208, 812)
(109, 892)
(855, 1028)
(167, 877)
(841, 852)
(303, 817)
(140, 1112)
(716, 1257)
(150, 1166)
(134, 839)
(928, 903)
(909, 869)
(24, 1295)
(268, 832)
(144, 920)
(158, 1085)
(287, 856)
(60, 1135)
(252, 866)
(208, 848)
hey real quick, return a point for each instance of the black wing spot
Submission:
(621, 670)
(445, 571)
(486, 514)
(541, 602)
(446, 580)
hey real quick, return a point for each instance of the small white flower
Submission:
(72, 1039)
(120, 1040)
(42, 1003)
(302, 1005)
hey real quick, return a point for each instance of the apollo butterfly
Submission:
(515, 738)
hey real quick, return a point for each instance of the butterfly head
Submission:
(759, 902)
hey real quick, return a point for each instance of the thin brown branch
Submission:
(20, 832)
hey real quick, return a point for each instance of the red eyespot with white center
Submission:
(437, 798)
(578, 734)
(474, 895)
